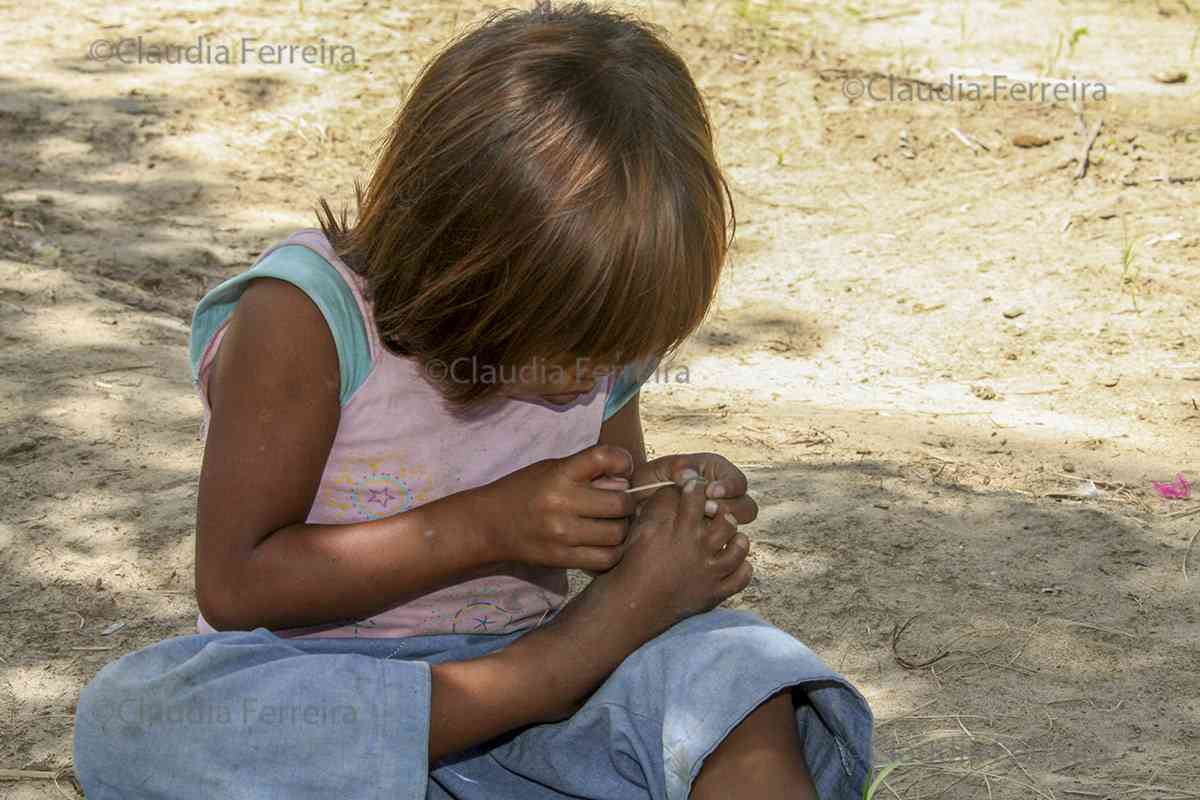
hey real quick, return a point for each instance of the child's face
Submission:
(556, 381)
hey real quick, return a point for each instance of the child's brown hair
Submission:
(549, 189)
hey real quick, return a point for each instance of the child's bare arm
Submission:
(275, 412)
(274, 396)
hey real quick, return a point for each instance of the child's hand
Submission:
(678, 562)
(550, 513)
(725, 491)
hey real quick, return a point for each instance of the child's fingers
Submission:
(604, 460)
(612, 484)
(724, 479)
(598, 533)
(595, 559)
(729, 482)
(602, 503)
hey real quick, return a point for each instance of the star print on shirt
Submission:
(483, 622)
(382, 496)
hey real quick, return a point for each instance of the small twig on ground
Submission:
(27, 775)
(117, 369)
(1087, 150)
(1181, 514)
(909, 715)
(1177, 178)
(1177, 794)
(1097, 628)
(1080, 120)
(974, 144)
(1187, 553)
(897, 632)
(886, 15)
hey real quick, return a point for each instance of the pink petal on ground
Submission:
(1179, 489)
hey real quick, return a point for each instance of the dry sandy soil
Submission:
(924, 350)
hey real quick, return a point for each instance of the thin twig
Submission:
(649, 486)
(1087, 150)
(1177, 179)
(909, 715)
(962, 137)
(27, 775)
(897, 632)
(116, 369)
(1187, 553)
(1097, 628)
(908, 12)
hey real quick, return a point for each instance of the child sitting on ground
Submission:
(417, 422)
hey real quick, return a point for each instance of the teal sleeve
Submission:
(324, 285)
(628, 383)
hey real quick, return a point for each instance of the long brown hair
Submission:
(549, 189)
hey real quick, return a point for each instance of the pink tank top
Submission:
(398, 446)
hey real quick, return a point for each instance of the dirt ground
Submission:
(951, 367)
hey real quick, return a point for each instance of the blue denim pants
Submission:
(236, 715)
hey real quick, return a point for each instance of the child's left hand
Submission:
(726, 488)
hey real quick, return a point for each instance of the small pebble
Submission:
(1170, 76)
(1028, 140)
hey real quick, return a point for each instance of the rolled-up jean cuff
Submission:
(402, 743)
(832, 750)
(247, 714)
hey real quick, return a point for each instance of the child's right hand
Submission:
(550, 514)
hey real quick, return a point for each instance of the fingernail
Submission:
(711, 507)
(689, 487)
(731, 519)
(716, 490)
(688, 474)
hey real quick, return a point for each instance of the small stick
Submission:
(969, 141)
(1187, 553)
(649, 486)
(26, 774)
(1097, 628)
(1087, 150)
(897, 632)
(962, 138)
(1164, 178)
(1180, 514)
(1083, 128)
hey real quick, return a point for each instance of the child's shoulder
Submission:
(299, 261)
